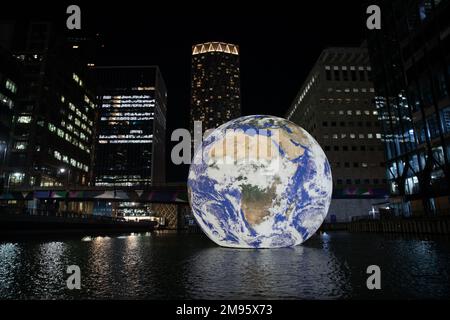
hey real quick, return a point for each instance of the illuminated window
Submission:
(57, 155)
(20, 145)
(24, 119)
(51, 127)
(16, 178)
(60, 133)
(7, 101)
(11, 86)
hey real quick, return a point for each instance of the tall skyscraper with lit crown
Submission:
(215, 95)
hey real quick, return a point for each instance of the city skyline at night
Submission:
(322, 171)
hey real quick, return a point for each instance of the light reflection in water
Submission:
(164, 266)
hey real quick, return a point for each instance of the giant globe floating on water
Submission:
(259, 182)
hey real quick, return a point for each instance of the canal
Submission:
(189, 266)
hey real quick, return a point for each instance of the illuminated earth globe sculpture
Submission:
(259, 182)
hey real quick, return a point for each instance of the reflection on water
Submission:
(171, 266)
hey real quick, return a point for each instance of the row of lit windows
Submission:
(344, 101)
(60, 133)
(354, 148)
(354, 112)
(364, 165)
(11, 86)
(361, 181)
(77, 121)
(126, 118)
(350, 124)
(122, 141)
(344, 73)
(126, 136)
(353, 136)
(354, 90)
(58, 156)
(6, 101)
(302, 95)
(118, 98)
(77, 79)
(129, 105)
(24, 119)
(89, 102)
(71, 128)
(123, 184)
(20, 145)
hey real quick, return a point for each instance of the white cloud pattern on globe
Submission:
(259, 182)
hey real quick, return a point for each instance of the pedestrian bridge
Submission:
(166, 193)
(168, 202)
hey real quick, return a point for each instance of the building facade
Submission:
(53, 119)
(336, 106)
(10, 81)
(215, 85)
(130, 146)
(411, 60)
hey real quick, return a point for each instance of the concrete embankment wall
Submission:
(419, 226)
(25, 224)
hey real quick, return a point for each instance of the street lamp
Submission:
(62, 171)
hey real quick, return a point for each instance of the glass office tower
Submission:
(130, 148)
(411, 65)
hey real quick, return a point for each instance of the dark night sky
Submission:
(278, 43)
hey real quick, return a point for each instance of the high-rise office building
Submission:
(54, 115)
(215, 86)
(130, 148)
(411, 60)
(10, 81)
(336, 105)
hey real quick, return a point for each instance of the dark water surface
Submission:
(189, 266)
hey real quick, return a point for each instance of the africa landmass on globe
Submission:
(259, 182)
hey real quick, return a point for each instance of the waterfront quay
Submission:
(410, 225)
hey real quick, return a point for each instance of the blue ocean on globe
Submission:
(259, 182)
